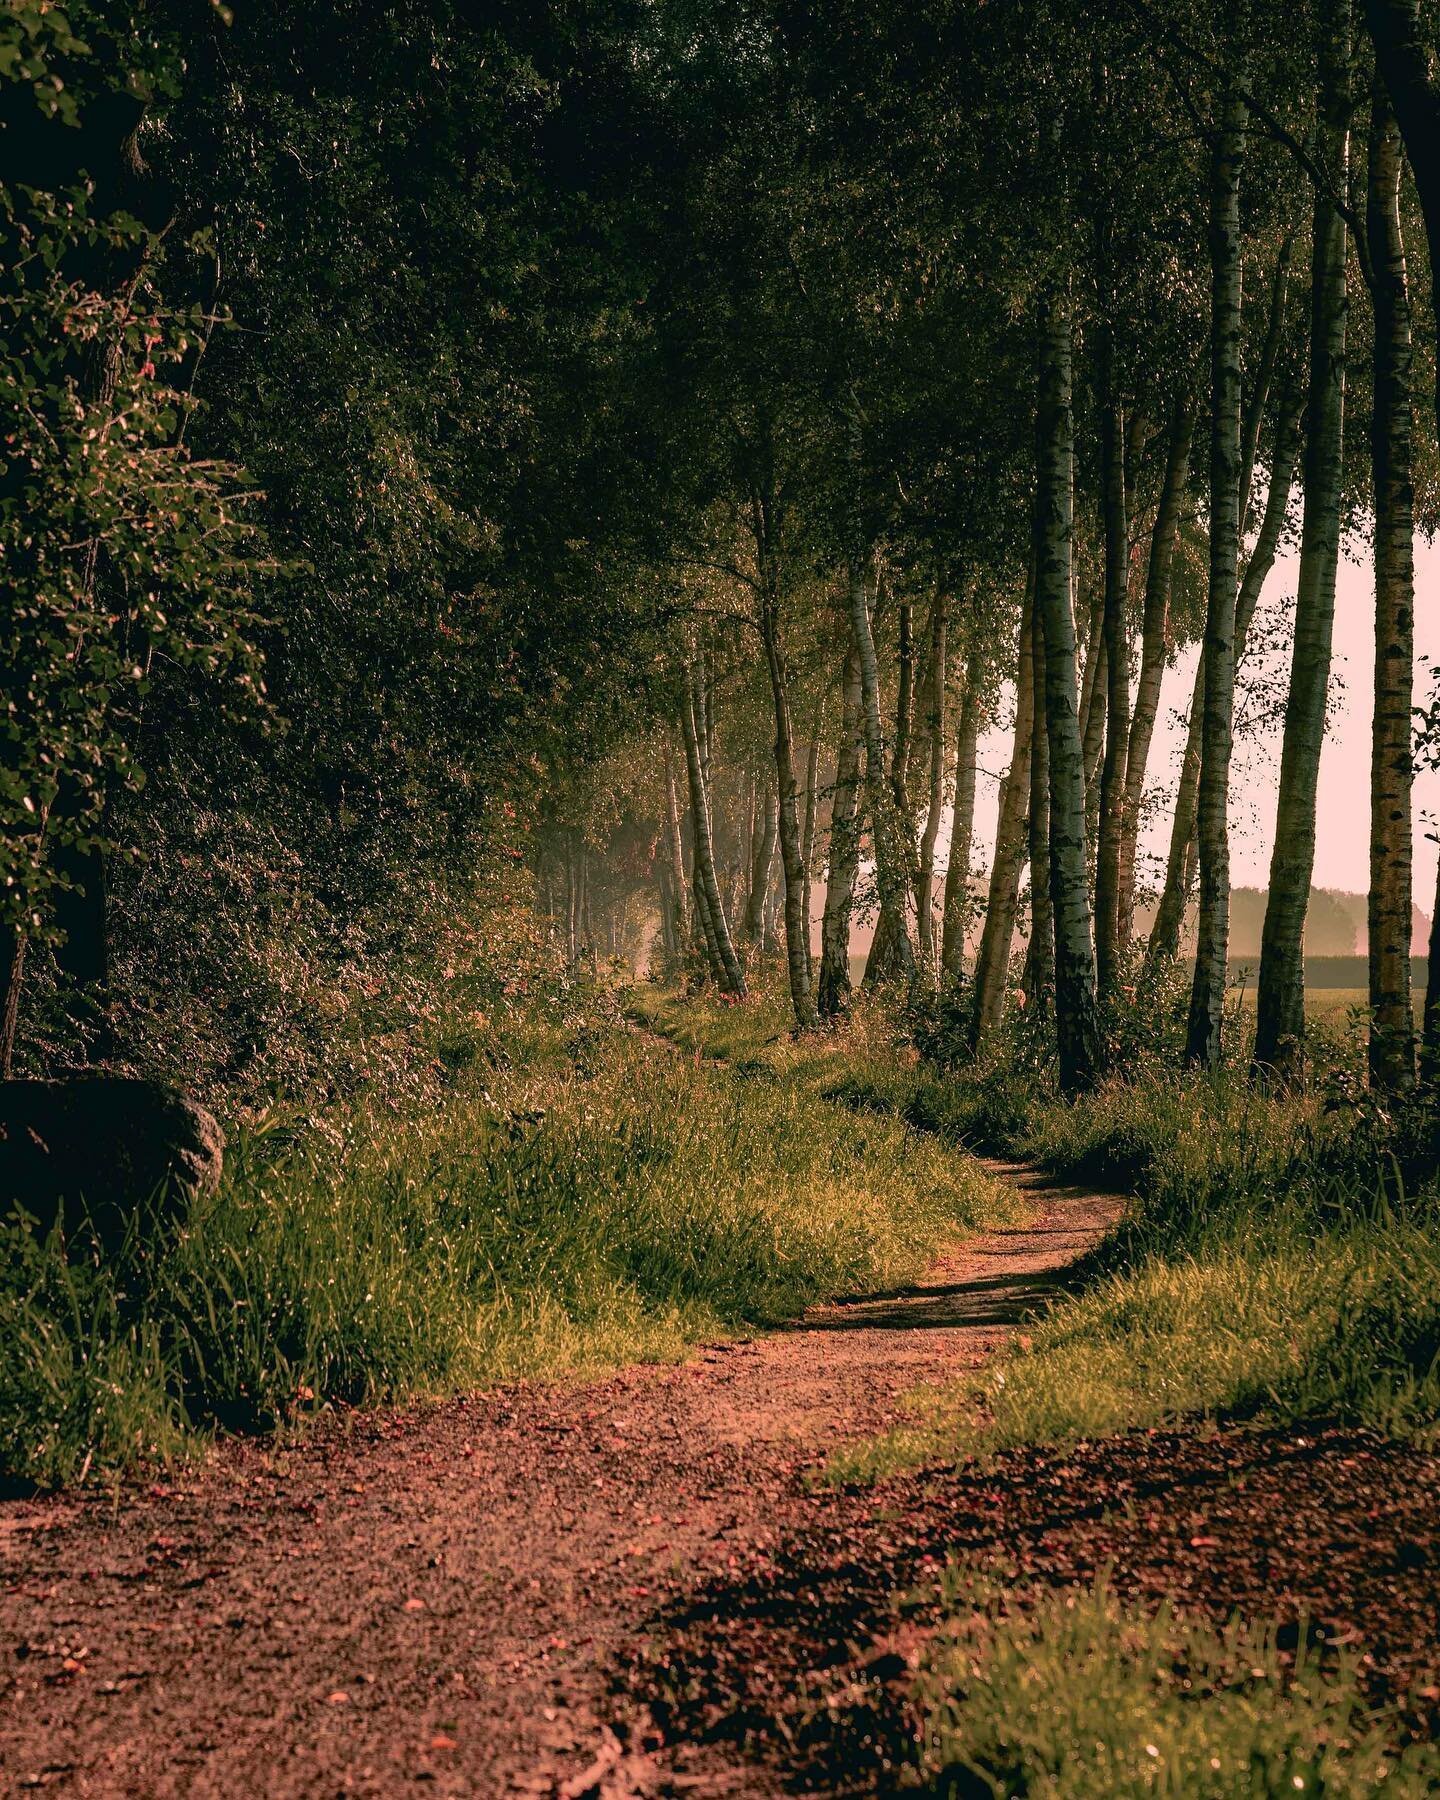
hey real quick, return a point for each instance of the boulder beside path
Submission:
(101, 1148)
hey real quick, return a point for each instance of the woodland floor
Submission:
(628, 1588)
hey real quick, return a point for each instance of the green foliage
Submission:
(538, 1221)
(122, 551)
(1076, 1697)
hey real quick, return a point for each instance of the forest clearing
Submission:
(719, 899)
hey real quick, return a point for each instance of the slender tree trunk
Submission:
(832, 989)
(1392, 1031)
(1402, 49)
(962, 826)
(1093, 745)
(1076, 1028)
(1117, 674)
(890, 871)
(904, 706)
(807, 839)
(936, 723)
(1165, 934)
(674, 846)
(1040, 957)
(792, 858)
(717, 929)
(1154, 648)
(1280, 1003)
(1265, 374)
(992, 959)
(1092, 676)
(1430, 1028)
(764, 838)
(1207, 995)
(12, 968)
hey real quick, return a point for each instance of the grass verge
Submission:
(584, 1197)
(1273, 1264)
(1077, 1697)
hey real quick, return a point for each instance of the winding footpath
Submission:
(436, 1600)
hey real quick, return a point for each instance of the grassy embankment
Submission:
(574, 1196)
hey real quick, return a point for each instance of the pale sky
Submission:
(1343, 823)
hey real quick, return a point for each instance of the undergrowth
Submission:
(582, 1196)
(1077, 1697)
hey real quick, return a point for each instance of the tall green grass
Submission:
(585, 1196)
(1077, 1697)
(1273, 1262)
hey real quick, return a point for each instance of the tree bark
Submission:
(936, 725)
(1040, 956)
(807, 839)
(904, 706)
(1165, 934)
(1076, 1028)
(763, 859)
(1154, 648)
(832, 988)
(1110, 835)
(885, 826)
(1207, 994)
(962, 826)
(992, 959)
(792, 859)
(1280, 1003)
(716, 928)
(675, 849)
(1404, 59)
(1392, 1031)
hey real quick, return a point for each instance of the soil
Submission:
(628, 1587)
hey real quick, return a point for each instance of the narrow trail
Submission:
(439, 1596)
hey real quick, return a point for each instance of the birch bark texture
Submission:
(1280, 1000)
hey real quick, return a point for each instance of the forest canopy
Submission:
(640, 448)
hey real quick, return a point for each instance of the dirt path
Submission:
(440, 1596)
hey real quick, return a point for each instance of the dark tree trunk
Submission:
(1076, 1028)
(1280, 1001)
(792, 859)
(716, 928)
(833, 986)
(992, 960)
(1165, 934)
(1402, 51)
(764, 837)
(1154, 648)
(962, 828)
(1040, 957)
(935, 732)
(807, 839)
(1392, 1031)
(1207, 995)
(1110, 836)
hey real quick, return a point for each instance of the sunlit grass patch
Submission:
(584, 1197)
(1345, 1326)
(1076, 1697)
